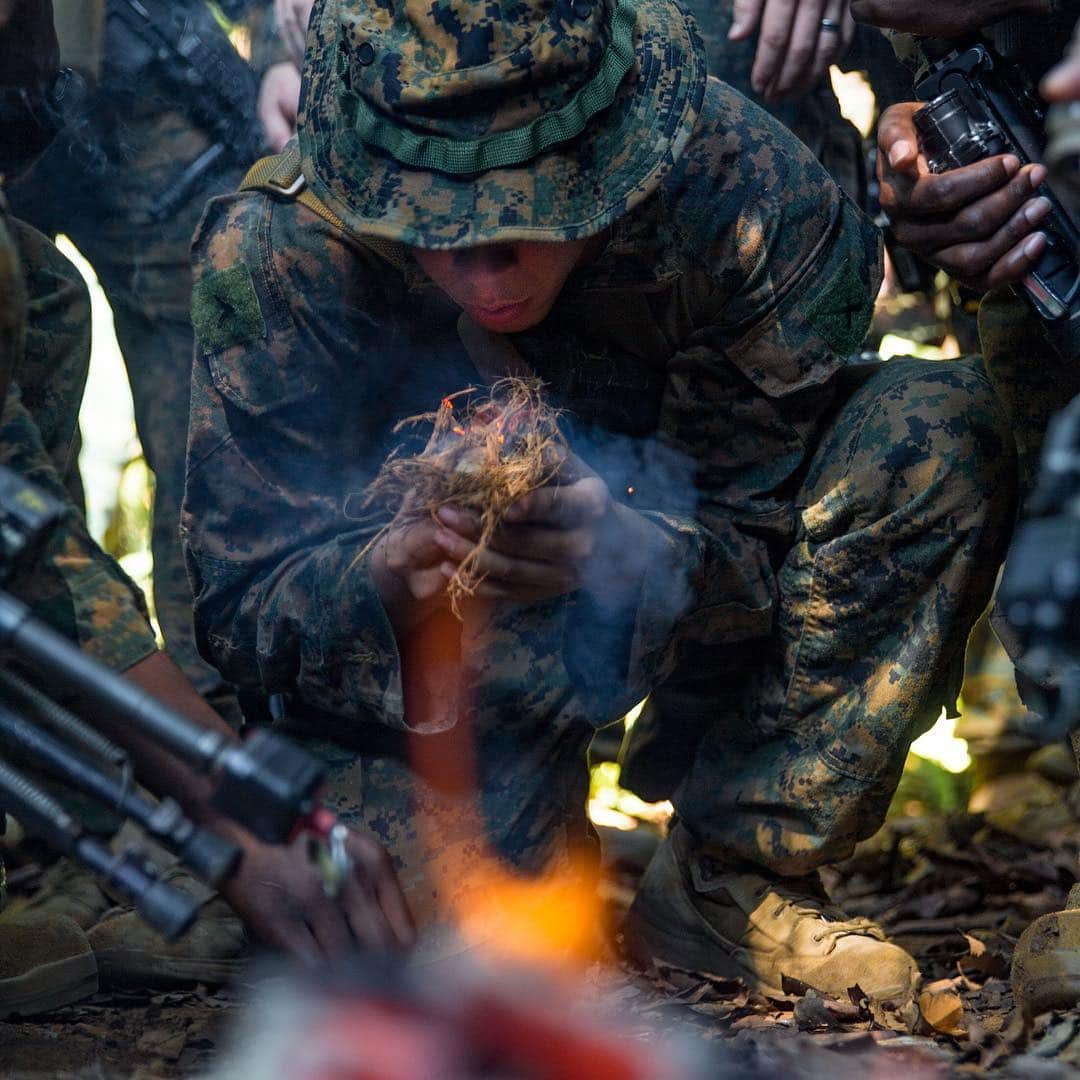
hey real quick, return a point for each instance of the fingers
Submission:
(898, 141)
(382, 896)
(996, 263)
(796, 67)
(747, 15)
(561, 506)
(875, 13)
(279, 97)
(832, 45)
(276, 127)
(980, 219)
(550, 578)
(952, 191)
(1063, 82)
(331, 932)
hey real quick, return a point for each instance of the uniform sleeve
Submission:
(281, 411)
(780, 279)
(72, 584)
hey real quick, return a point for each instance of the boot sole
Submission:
(647, 943)
(49, 986)
(134, 967)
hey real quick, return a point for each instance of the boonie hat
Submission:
(452, 123)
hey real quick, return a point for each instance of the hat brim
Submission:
(573, 190)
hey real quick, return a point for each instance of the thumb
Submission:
(898, 140)
(277, 126)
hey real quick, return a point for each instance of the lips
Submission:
(495, 316)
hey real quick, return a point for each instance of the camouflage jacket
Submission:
(697, 358)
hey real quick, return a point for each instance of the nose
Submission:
(489, 258)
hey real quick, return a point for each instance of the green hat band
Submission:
(504, 148)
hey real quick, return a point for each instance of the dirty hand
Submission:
(939, 18)
(794, 49)
(554, 540)
(291, 18)
(279, 101)
(279, 894)
(977, 223)
(29, 52)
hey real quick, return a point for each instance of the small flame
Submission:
(630, 490)
(458, 430)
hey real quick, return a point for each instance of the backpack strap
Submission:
(282, 176)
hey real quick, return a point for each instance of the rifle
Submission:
(266, 783)
(189, 50)
(981, 105)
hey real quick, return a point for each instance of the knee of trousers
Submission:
(922, 439)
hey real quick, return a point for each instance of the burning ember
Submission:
(482, 456)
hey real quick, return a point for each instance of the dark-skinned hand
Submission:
(939, 18)
(278, 892)
(979, 223)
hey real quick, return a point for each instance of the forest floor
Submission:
(956, 890)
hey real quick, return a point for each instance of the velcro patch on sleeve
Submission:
(842, 310)
(225, 309)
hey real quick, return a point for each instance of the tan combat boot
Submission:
(1046, 961)
(744, 925)
(44, 963)
(130, 953)
(68, 891)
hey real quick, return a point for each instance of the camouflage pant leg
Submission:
(12, 300)
(1030, 380)
(146, 274)
(74, 585)
(145, 271)
(506, 787)
(908, 509)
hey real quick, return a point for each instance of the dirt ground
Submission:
(955, 891)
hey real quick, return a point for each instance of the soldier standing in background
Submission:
(170, 123)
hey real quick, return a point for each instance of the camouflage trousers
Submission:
(792, 747)
(73, 585)
(144, 269)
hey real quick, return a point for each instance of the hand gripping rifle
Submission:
(981, 105)
(266, 783)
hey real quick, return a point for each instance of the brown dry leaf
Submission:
(976, 946)
(943, 1012)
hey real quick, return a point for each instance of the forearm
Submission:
(157, 768)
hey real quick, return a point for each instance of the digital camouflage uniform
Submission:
(74, 586)
(831, 533)
(98, 184)
(1032, 379)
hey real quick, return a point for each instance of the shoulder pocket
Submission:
(241, 320)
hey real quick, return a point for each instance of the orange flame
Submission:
(551, 920)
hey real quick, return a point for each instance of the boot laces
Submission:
(834, 923)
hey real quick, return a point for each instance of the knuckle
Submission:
(773, 41)
(974, 221)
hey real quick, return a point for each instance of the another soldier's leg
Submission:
(146, 275)
(45, 958)
(907, 511)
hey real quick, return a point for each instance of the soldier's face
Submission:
(503, 287)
